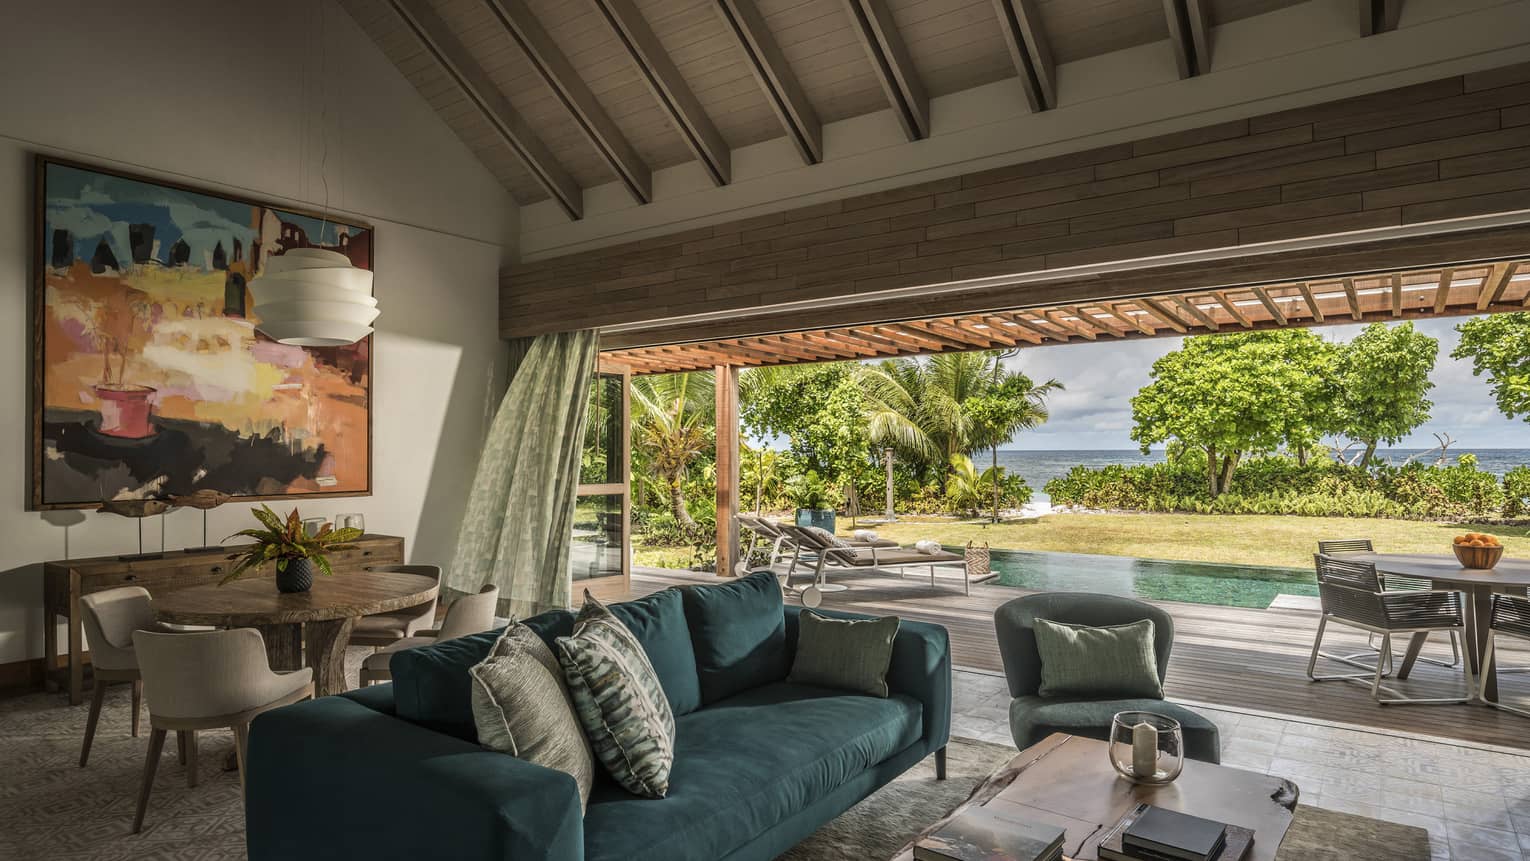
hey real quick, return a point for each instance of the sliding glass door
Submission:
(600, 559)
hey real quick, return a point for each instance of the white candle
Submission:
(1144, 750)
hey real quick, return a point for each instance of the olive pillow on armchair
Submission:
(1112, 662)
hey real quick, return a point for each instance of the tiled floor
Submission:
(1473, 800)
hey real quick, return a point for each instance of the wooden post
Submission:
(726, 382)
(887, 461)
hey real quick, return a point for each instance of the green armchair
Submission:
(1033, 717)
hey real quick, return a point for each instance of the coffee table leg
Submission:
(326, 654)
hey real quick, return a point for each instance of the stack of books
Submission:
(1150, 833)
(986, 834)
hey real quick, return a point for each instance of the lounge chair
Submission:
(781, 542)
(827, 554)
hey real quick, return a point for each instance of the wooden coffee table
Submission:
(1068, 781)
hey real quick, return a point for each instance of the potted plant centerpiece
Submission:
(813, 498)
(295, 552)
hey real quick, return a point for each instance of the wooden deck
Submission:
(1223, 656)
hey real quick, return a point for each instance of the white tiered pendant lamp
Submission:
(310, 297)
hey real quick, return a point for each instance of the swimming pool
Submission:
(1151, 579)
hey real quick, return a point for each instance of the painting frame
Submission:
(37, 312)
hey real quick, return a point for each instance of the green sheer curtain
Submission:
(520, 514)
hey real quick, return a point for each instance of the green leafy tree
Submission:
(1381, 379)
(1499, 346)
(817, 408)
(1013, 403)
(1229, 395)
(672, 428)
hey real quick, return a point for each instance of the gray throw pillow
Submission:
(846, 654)
(619, 701)
(1116, 662)
(828, 537)
(521, 707)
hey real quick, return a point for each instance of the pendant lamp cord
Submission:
(323, 119)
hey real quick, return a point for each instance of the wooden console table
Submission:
(65, 582)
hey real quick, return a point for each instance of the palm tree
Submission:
(672, 418)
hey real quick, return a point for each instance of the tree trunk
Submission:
(677, 504)
(1229, 463)
(995, 475)
(1301, 455)
(887, 456)
(1370, 452)
(1211, 471)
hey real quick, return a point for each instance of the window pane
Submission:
(597, 546)
(601, 460)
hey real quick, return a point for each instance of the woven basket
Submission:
(979, 561)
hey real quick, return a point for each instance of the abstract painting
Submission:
(150, 378)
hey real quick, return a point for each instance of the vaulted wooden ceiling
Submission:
(557, 96)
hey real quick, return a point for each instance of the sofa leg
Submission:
(940, 764)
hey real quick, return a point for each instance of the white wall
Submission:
(1300, 55)
(212, 94)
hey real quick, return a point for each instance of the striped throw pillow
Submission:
(618, 700)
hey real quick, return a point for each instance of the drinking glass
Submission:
(312, 525)
(1147, 747)
(351, 521)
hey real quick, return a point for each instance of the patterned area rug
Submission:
(884, 823)
(50, 808)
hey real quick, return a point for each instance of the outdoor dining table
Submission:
(1445, 572)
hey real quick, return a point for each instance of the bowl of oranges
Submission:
(1476, 550)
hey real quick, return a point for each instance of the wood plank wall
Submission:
(1444, 149)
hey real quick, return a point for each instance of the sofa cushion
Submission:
(745, 764)
(658, 623)
(1033, 718)
(431, 685)
(844, 654)
(738, 631)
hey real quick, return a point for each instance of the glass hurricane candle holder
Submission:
(1147, 747)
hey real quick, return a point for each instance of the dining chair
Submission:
(1510, 617)
(110, 617)
(382, 629)
(1391, 583)
(1352, 595)
(469, 614)
(207, 680)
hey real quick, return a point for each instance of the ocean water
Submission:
(1039, 467)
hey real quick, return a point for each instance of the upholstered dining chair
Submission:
(1352, 594)
(199, 681)
(1033, 717)
(469, 614)
(110, 617)
(1337, 547)
(384, 629)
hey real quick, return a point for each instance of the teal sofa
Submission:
(394, 771)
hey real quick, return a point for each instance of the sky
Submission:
(1101, 377)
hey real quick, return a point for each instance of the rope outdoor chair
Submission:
(1352, 595)
(1510, 617)
(1391, 583)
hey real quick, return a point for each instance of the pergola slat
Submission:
(1312, 305)
(1232, 309)
(1441, 291)
(1354, 298)
(1263, 296)
(1159, 310)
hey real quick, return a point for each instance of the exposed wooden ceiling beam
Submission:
(1090, 320)
(1014, 330)
(801, 344)
(1190, 35)
(1075, 327)
(1020, 24)
(1132, 320)
(554, 68)
(1442, 290)
(1378, 16)
(774, 76)
(669, 88)
(873, 24)
(1194, 310)
(955, 330)
(1352, 297)
(1495, 284)
(944, 335)
(918, 341)
(439, 41)
(1397, 294)
(1274, 311)
(1032, 326)
(1311, 300)
(1159, 310)
(1232, 309)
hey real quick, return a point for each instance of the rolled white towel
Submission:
(864, 535)
(927, 547)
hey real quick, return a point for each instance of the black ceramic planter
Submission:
(297, 578)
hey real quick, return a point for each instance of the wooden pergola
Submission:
(1441, 292)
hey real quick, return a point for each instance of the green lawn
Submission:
(1246, 539)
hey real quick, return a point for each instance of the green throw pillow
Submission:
(847, 654)
(521, 707)
(619, 701)
(1116, 662)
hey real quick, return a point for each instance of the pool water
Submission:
(1151, 579)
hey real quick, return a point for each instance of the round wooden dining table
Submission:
(1445, 572)
(317, 622)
